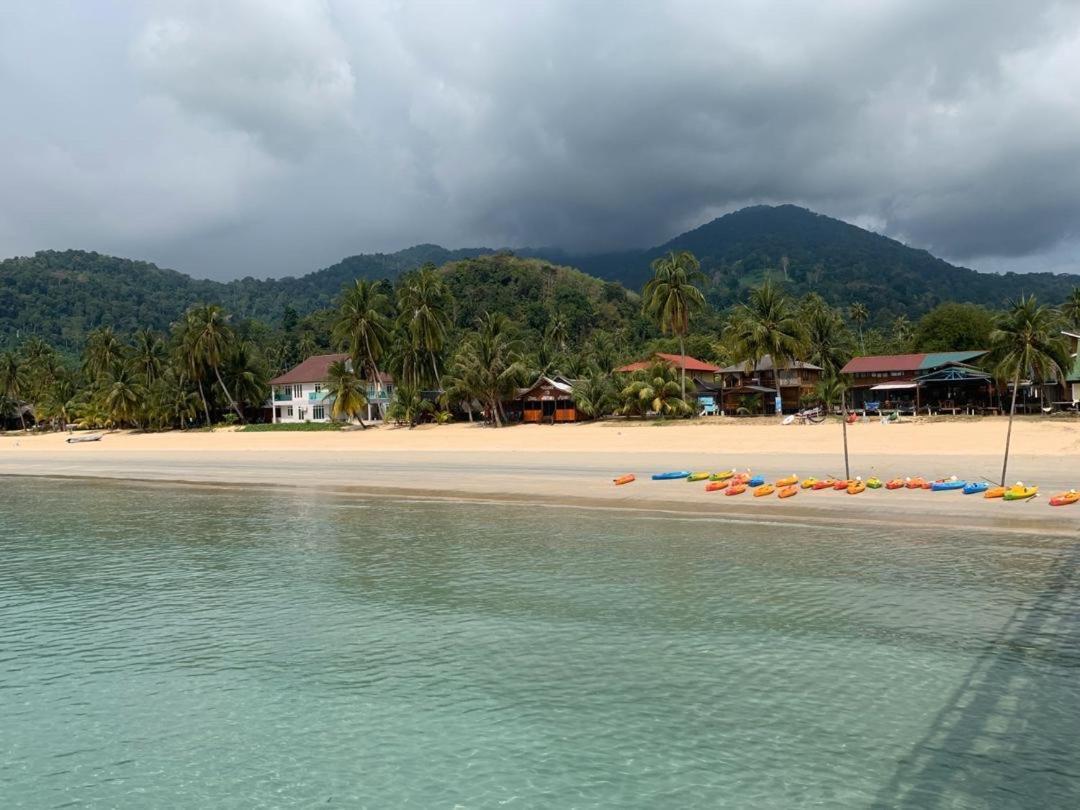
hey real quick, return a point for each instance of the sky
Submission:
(227, 138)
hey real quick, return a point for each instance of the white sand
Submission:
(573, 465)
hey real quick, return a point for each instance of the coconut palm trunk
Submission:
(682, 365)
(1008, 433)
(206, 407)
(225, 388)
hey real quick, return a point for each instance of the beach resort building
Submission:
(300, 394)
(754, 388)
(1072, 374)
(934, 382)
(548, 400)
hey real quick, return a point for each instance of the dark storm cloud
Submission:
(260, 137)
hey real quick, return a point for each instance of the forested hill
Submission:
(813, 252)
(61, 295)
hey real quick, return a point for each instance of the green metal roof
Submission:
(935, 359)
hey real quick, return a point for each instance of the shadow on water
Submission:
(1007, 736)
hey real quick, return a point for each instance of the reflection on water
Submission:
(163, 646)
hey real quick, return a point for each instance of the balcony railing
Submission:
(317, 396)
(281, 396)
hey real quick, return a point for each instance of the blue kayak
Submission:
(975, 487)
(944, 486)
(670, 475)
(756, 481)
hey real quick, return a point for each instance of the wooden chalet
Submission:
(548, 400)
(934, 381)
(797, 379)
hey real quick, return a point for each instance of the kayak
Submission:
(873, 483)
(722, 476)
(808, 482)
(975, 487)
(668, 476)
(1065, 498)
(735, 489)
(715, 486)
(1020, 493)
(763, 490)
(787, 482)
(624, 479)
(945, 486)
(788, 491)
(756, 481)
(841, 485)
(896, 483)
(741, 478)
(828, 483)
(855, 487)
(698, 476)
(915, 483)
(929, 484)
(994, 492)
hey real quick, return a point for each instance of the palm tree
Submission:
(13, 382)
(827, 339)
(767, 324)
(245, 373)
(424, 305)
(1027, 341)
(147, 355)
(409, 405)
(103, 351)
(556, 333)
(60, 400)
(902, 332)
(654, 390)
(347, 393)
(169, 402)
(121, 396)
(209, 339)
(670, 298)
(491, 359)
(362, 326)
(859, 315)
(1070, 310)
(594, 395)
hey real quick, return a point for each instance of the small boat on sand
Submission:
(93, 437)
(624, 479)
(697, 476)
(1020, 493)
(994, 492)
(873, 483)
(735, 489)
(1065, 498)
(670, 476)
(950, 484)
(763, 490)
(896, 483)
(825, 483)
(722, 476)
(841, 485)
(788, 491)
(975, 487)
(808, 483)
(787, 482)
(915, 483)
(716, 486)
(855, 487)
(756, 481)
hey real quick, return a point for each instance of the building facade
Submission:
(548, 400)
(300, 394)
(739, 384)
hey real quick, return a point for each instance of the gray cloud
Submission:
(268, 137)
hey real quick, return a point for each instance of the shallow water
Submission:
(200, 647)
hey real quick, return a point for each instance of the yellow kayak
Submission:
(789, 481)
(855, 487)
(764, 489)
(808, 483)
(698, 476)
(722, 476)
(1019, 493)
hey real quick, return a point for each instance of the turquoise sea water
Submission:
(184, 647)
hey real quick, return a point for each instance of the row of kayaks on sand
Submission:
(731, 482)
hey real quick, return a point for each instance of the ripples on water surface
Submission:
(171, 647)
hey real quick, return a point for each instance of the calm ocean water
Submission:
(176, 647)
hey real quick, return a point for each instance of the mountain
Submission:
(841, 262)
(61, 295)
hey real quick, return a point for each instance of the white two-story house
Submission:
(299, 395)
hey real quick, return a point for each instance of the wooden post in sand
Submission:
(843, 419)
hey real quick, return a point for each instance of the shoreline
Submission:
(572, 467)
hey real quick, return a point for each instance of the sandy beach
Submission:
(572, 465)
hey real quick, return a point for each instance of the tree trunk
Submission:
(232, 402)
(1008, 434)
(682, 365)
(22, 417)
(206, 408)
(843, 420)
(495, 412)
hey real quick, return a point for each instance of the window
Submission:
(318, 388)
(318, 412)
(277, 412)
(288, 411)
(301, 412)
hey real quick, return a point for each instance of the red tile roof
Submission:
(316, 369)
(884, 362)
(676, 360)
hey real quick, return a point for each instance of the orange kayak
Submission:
(1065, 498)
(764, 489)
(828, 483)
(896, 483)
(716, 486)
(839, 485)
(855, 487)
(788, 491)
(915, 483)
(624, 479)
(735, 489)
(995, 492)
(787, 482)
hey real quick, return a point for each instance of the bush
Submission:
(285, 427)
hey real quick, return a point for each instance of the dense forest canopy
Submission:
(60, 296)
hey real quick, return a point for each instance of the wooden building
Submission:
(547, 401)
(797, 380)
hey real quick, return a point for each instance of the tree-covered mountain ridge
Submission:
(62, 295)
